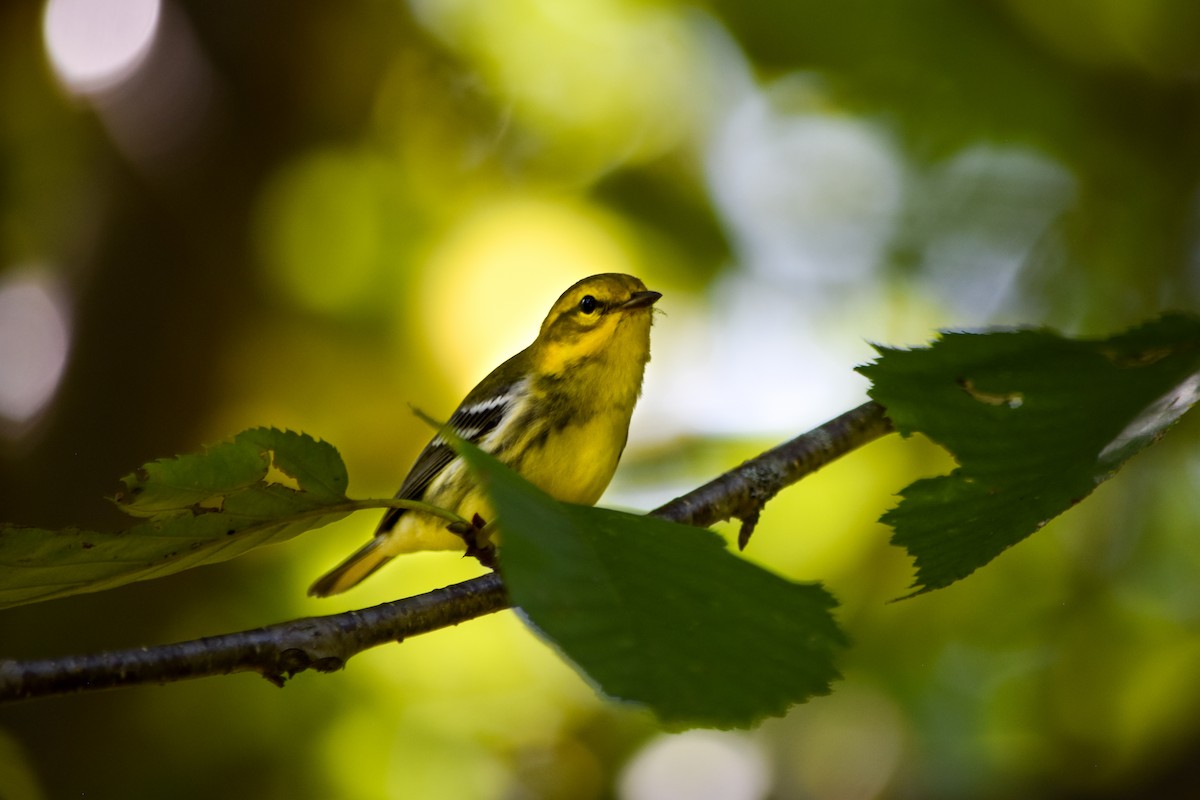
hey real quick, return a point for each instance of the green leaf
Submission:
(259, 466)
(1035, 420)
(263, 487)
(661, 614)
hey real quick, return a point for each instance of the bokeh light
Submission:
(699, 765)
(312, 215)
(848, 747)
(810, 197)
(604, 81)
(490, 282)
(140, 68)
(321, 229)
(35, 338)
(1022, 192)
(95, 45)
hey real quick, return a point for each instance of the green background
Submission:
(310, 215)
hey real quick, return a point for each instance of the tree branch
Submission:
(326, 643)
(742, 492)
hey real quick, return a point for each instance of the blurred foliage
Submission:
(308, 215)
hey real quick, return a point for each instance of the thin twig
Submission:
(276, 652)
(326, 643)
(742, 492)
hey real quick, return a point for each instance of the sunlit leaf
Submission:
(265, 486)
(1036, 422)
(258, 466)
(661, 614)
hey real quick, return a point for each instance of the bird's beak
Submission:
(640, 300)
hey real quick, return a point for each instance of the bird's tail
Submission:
(361, 563)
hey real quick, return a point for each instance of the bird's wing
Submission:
(472, 421)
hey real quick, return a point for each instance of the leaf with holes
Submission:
(264, 486)
(1036, 422)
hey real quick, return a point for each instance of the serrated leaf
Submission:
(1035, 420)
(661, 614)
(255, 463)
(201, 508)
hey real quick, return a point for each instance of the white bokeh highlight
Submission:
(697, 765)
(34, 342)
(808, 197)
(981, 217)
(94, 45)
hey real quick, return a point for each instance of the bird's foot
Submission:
(477, 537)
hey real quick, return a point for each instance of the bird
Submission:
(557, 413)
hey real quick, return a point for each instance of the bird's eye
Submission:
(588, 304)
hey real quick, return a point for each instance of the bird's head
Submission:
(605, 316)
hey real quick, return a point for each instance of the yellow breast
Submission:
(572, 464)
